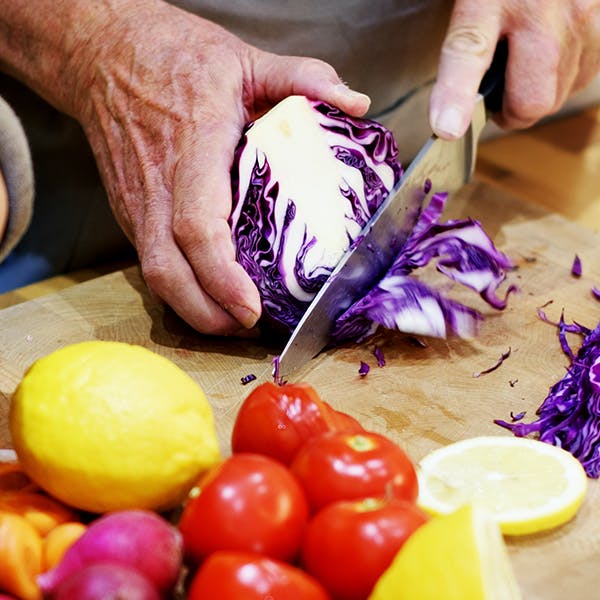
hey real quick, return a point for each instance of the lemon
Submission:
(107, 426)
(459, 556)
(528, 485)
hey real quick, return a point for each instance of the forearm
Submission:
(50, 45)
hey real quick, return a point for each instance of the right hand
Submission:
(163, 96)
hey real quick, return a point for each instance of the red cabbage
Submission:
(378, 352)
(364, 368)
(576, 268)
(248, 378)
(306, 179)
(569, 417)
(400, 301)
(497, 364)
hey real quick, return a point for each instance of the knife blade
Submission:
(440, 166)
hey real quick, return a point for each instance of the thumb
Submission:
(466, 54)
(282, 76)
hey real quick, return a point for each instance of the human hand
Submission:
(163, 103)
(553, 51)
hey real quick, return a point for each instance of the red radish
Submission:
(137, 538)
(100, 581)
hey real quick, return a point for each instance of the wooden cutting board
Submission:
(424, 397)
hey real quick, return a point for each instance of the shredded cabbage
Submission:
(569, 417)
(306, 179)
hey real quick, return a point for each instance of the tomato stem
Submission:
(361, 443)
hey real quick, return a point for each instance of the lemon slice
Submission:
(527, 485)
(460, 556)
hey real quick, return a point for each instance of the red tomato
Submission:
(249, 502)
(349, 544)
(343, 466)
(247, 576)
(344, 422)
(276, 420)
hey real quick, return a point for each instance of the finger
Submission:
(589, 65)
(466, 54)
(532, 78)
(282, 76)
(201, 208)
(169, 275)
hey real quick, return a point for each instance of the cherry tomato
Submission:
(249, 502)
(343, 466)
(276, 420)
(248, 576)
(349, 544)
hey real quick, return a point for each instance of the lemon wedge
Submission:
(459, 556)
(527, 485)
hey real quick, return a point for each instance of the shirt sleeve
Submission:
(17, 170)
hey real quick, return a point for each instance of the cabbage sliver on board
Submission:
(306, 179)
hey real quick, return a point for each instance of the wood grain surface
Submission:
(424, 397)
(555, 165)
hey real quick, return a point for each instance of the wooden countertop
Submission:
(555, 165)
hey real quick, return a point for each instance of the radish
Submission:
(136, 538)
(101, 581)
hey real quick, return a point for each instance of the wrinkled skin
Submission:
(554, 51)
(162, 96)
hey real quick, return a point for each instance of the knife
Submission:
(440, 166)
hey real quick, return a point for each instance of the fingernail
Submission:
(351, 94)
(244, 315)
(449, 122)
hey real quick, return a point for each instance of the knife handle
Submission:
(492, 84)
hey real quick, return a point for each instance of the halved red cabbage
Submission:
(569, 417)
(306, 179)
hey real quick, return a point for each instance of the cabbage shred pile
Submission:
(569, 417)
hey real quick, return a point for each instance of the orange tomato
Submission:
(20, 557)
(58, 541)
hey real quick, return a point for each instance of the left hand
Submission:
(554, 51)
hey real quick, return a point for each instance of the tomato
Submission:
(276, 420)
(249, 502)
(343, 466)
(344, 422)
(349, 544)
(247, 576)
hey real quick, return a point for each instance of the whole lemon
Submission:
(108, 426)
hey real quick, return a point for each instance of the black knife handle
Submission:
(492, 84)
